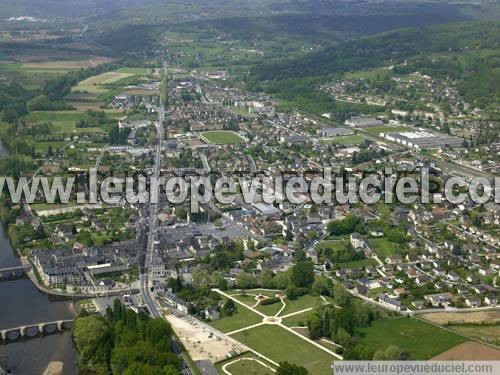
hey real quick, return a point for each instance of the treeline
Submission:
(123, 342)
(13, 101)
(341, 324)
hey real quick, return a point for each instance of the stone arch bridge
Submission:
(34, 330)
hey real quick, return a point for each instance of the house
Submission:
(389, 301)
(176, 302)
(453, 276)
(473, 302)
(211, 313)
(106, 284)
(393, 259)
(418, 304)
(357, 241)
(438, 300)
(491, 300)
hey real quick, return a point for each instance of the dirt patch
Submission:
(489, 317)
(203, 341)
(469, 351)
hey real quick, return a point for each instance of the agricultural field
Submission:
(474, 317)
(469, 351)
(485, 332)
(422, 340)
(95, 84)
(291, 348)
(221, 137)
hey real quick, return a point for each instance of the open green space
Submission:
(222, 137)
(55, 116)
(247, 299)
(245, 366)
(272, 309)
(301, 303)
(298, 320)
(383, 247)
(243, 317)
(422, 340)
(280, 345)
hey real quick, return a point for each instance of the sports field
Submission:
(221, 137)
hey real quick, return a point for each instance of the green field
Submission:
(279, 345)
(383, 247)
(299, 320)
(134, 70)
(242, 318)
(422, 340)
(55, 116)
(270, 309)
(222, 137)
(245, 366)
(301, 303)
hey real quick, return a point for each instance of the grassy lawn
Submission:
(222, 137)
(242, 318)
(270, 309)
(299, 320)
(383, 247)
(279, 345)
(301, 303)
(244, 367)
(246, 299)
(422, 340)
(56, 116)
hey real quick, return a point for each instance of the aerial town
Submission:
(267, 285)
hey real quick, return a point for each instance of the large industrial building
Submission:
(421, 139)
(363, 122)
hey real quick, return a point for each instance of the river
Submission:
(22, 303)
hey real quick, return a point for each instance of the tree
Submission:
(290, 369)
(321, 286)
(303, 274)
(315, 327)
(266, 279)
(391, 353)
(245, 281)
(229, 307)
(92, 338)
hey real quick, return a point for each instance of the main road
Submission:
(153, 224)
